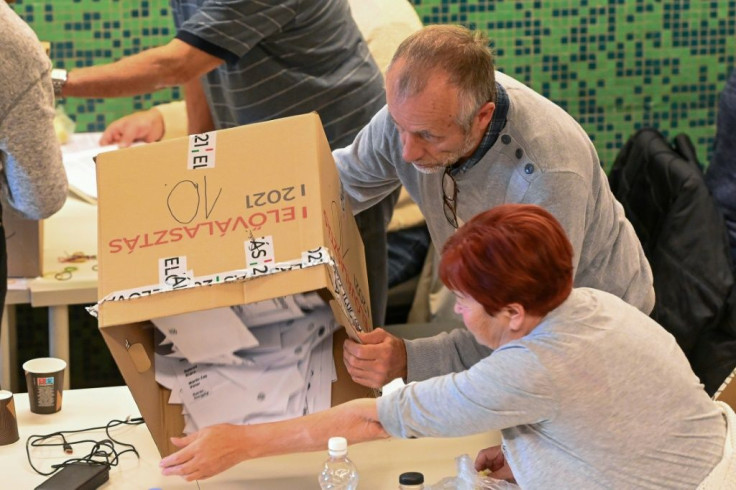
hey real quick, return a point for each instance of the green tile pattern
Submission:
(615, 65)
(89, 32)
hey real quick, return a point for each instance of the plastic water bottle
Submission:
(338, 473)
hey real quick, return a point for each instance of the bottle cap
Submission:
(411, 478)
(337, 446)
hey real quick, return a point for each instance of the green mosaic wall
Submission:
(615, 65)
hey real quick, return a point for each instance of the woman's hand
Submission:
(492, 459)
(207, 452)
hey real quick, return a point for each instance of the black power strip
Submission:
(77, 476)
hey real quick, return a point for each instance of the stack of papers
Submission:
(254, 363)
(78, 156)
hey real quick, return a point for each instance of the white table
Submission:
(379, 463)
(73, 229)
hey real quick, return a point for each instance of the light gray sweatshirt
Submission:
(543, 157)
(597, 396)
(32, 181)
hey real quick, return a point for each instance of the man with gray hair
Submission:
(463, 138)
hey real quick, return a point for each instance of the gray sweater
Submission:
(542, 156)
(596, 396)
(32, 181)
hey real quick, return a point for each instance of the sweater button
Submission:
(506, 139)
(528, 169)
(519, 153)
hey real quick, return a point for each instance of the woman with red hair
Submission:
(587, 391)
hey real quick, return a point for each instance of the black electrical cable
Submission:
(103, 452)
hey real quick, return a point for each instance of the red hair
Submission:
(513, 253)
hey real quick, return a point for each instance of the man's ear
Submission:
(485, 113)
(517, 315)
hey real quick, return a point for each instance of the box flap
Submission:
(211, 205)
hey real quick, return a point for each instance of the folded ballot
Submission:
(254, 363)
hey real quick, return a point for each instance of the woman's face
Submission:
(489, 330)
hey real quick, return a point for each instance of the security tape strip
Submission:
(309, 258)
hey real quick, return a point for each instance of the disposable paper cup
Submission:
(8, 420)
(45, 381)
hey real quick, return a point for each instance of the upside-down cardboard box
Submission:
(220, 219)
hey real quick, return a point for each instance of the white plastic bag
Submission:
(469, 479)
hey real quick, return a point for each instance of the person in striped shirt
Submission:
(242, 62)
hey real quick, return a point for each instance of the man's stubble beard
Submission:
(450, 158)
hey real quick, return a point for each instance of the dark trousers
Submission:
(373, 223)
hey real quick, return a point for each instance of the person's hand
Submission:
(492, 459)
(205, 453)
(377, 360)
(145, 126)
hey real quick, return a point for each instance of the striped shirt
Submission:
(284, 58)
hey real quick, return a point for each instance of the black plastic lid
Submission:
(411, 478)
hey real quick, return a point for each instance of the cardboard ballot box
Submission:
(24, 241)
(221, 219)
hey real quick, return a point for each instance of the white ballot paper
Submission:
(281, 370)
(269, 311)
(206, 336)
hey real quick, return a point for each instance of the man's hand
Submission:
(145, 126)
(377, 360)
(492, 458)
(205, 453)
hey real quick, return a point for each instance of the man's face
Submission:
(431, 138)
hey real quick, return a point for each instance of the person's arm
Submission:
(447, 352)
(35, 183)
(546, 191)
(217, 448)
(147, 126)
(164, 121)
(199, 117)
(378, 359)
(175, 63)
(482, 398)
(381, 357)
(366, 167)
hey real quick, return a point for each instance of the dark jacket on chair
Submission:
(685, 240)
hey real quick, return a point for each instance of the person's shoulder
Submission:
(21, 47)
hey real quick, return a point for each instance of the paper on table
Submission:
(17, 284)
(78, 157)
(81, 142)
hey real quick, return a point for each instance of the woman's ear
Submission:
(516, 314)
